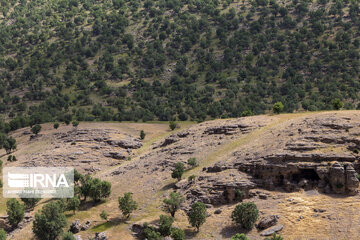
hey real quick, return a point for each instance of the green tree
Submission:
(56, 125)
(245, 214)
(3, 235)
(9, 144)
(178, 171)
(68, 236)
(36, 129)
(142, 134)
(15, 211)
(127, 205)
(99, 189)
(49, 222)
(337, 104)
(172, 125)
(197, 215)
(239, 236)
(278, 107)
(173, 203)
(177, 234)
(73, 204)
(165, 225)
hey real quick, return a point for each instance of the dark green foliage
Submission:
(177, 234)
(99, 189)
(56, 125)
(337, 104)
(11, 158)
(239, 236)
(245, 214)
(142, 134)
(274, 237)
(172, 125)
(197, 215)
(127, 205)
(206, 60)
(178, 171)
(36, 129)
(75, 123)
(15, 211)
(50, 221)
(30, 203)
(165, 225)
(3, 235)
(68, 236)
(151, 233)
(173, 203)
(239, 194)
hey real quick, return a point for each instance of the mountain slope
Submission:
(156, 59)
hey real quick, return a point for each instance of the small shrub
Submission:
(191, 178)
(337, 104)
(56, 125)
(151, 233)
(239, 236)
(165, 225)
(142, 134)
(104, 215)
(239, 194)
(274, 237)
(358, 177)
(356, 151)
(178, 171)
(177, 234)
(68, 236)
(172, 125)
(339, 185)
(278, 107)
(192, 162)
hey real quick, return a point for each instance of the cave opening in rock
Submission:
(308, 174)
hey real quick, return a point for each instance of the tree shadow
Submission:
(84, 206)
(168, 186)
(229, 231)
(190, 233)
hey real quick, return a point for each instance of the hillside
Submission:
(301, 167)
(174, 59)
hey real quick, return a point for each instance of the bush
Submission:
(274, 237)
(2, 234)
(68, 236)
(104, 215)
(75, 123)
(36, 129)
(278, 107)
(197, 215)
(165, 225)
(56, 125)
(337, 104)
(245, 214)
(151, 233)
(178, 171)
(239, 195)
(172, 125)
(142, 134)
(15, 211)
(239, 236)
(192, 162)
(177, 234)
(127, 205)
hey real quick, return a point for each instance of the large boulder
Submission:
(337, 178)
(101, 236)
(75, 227)
(267, 222)
(352, 182)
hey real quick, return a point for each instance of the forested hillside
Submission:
(120, 60)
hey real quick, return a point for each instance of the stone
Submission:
(267, 222)
(86, 226)
(75, 226)
(272, 230)
(218, 211)
(101, 236)
(352, 182)
(337, 178)
(78, 237)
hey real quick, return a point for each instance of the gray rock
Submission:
(268, 221)
(101, 236)
(75, 227)
(272, 230)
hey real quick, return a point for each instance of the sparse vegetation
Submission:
(192, 162)
(274, 237)
(172, 125)
(104, 215)
(73, 204)
(239, 236)
(142, 135)
(56, 125)
(278, 107)
(68, 236)
(3, 235)
(337, 104)
(36, 129)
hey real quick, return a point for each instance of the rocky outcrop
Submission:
(75, 227)
(126, 144)
(267, 222)
(100, 236)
